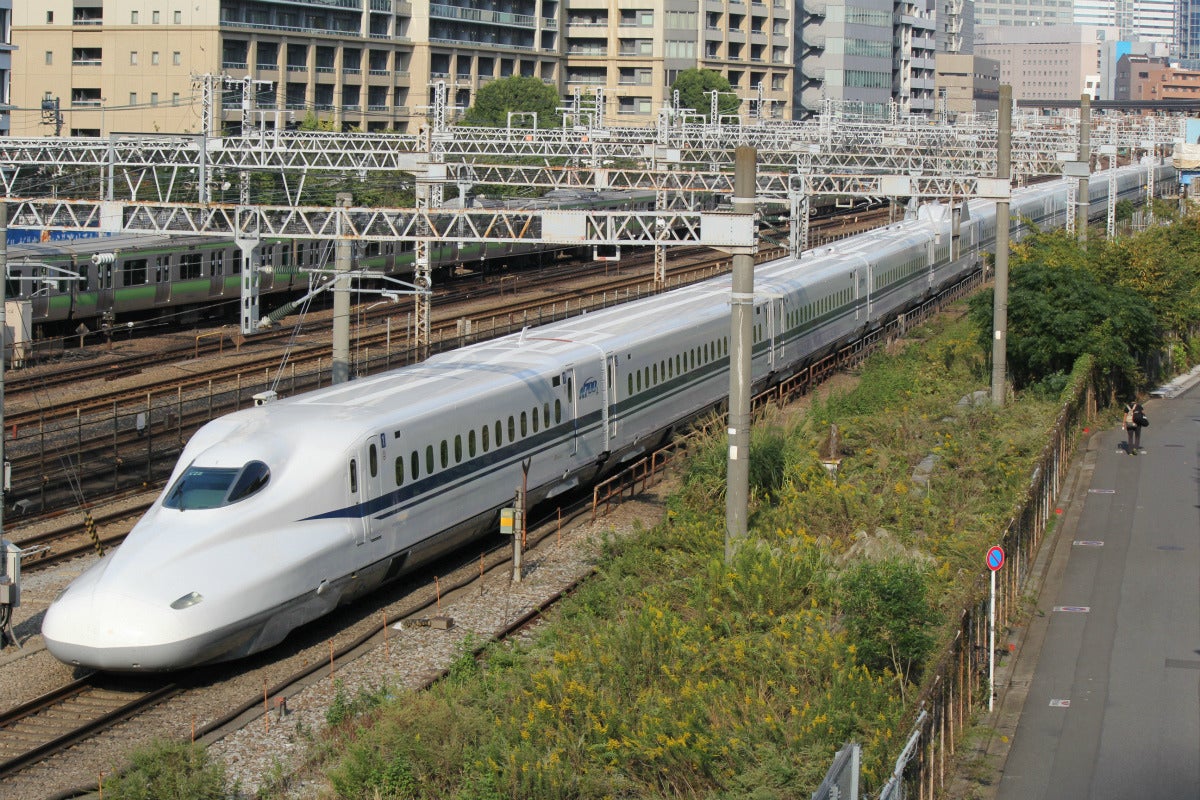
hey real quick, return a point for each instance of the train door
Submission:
(104, 282)
(567, 384)
(370, 485)
(774, 332)
(861, 295)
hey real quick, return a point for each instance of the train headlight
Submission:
(187, 601)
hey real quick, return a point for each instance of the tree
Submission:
(494, 101)
(692, 85)
(1059, 309)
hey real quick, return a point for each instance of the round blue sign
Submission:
(995, 558)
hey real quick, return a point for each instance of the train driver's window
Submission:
(213, 487)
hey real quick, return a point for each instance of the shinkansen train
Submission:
(277, 514)
(141, 277)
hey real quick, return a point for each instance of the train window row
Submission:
(473, 444)
(134, 269)
(666, 369)
(899, 272)
(818, 308)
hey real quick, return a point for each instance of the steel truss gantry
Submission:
(180, 183)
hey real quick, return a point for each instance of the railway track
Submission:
(61, 719)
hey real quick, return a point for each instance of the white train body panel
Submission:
(373, 477)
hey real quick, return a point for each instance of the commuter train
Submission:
(149, 277)
(277, 514)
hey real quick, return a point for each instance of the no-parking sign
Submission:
(995, 558)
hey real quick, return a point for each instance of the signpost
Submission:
(995, 560)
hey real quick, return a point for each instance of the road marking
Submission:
(1102, 491)
(1074, 609)
(1179, 663)
(1087, 543)
(1060, 703)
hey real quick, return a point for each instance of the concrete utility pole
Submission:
(741, 342)
(1085, 157)
(341, 302)
(1000, 304)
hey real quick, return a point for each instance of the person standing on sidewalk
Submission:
(1134, 420)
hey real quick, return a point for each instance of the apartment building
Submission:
(6, 51)
(128, 65)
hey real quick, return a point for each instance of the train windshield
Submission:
(213, 487)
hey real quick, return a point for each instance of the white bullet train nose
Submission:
(106, 630)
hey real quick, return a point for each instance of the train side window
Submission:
(534, 415)
(399, 470)
(546, 414)
(458, 448)
(646, 376)
(524, 424)
(705, 352)
(654, 375)
(630, 377)
(373, 460)
(135, 272)
(512, 428)
(191, 266)
(353, 476)
(415, 464)
(639, 380)
(216, 264)
(678, 362)
(484, 433)
(499, 434)
(471, 443)
(445, 454)
(557, 411)
(429, 459)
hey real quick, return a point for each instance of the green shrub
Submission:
(889, 614)
(165, 769)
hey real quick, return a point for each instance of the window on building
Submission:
(155, 17)
(176, 58)
(174, 98)
(133, 57)
(133, 98)
(49, 17)
(49, 57)
(178, 17)
(154, 58)
(154, 98)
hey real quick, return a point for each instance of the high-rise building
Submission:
(1023, 13)
(1136, 20)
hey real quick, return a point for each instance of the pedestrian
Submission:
(1134, 420)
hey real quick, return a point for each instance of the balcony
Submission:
(484, 16)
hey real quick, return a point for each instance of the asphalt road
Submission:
(1109, 672)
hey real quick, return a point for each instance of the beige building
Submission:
(971, 83)
(130, 65)
(1052, 62)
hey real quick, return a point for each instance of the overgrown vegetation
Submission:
(165, 769)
